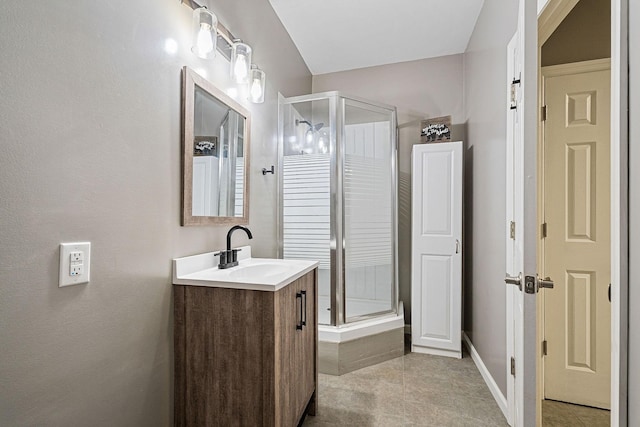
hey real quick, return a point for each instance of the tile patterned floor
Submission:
(559, 414)
(413, 390)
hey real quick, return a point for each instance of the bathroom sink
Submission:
(259, 269)
(266, 274)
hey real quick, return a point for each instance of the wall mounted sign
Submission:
(437, 129)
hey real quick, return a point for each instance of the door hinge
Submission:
(544, 347)
(543, 113)
(512, 230)
(544, 230)
(513, 90)
(513, 366)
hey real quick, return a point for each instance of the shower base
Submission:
(356, 307)
(360, 344)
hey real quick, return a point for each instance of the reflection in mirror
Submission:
(216, 143)
(217, 176)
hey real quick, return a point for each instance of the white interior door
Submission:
(436, 260)
(577, 194)
(514, 232)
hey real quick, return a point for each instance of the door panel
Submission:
(368, 218)
(296, 344)
(437, 271)
(307, 356)
(436, 248)
(580, 194)
(581, 328)
(436, 186)
(514, 235)
(577, 247)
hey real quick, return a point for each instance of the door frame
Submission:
(619, 199)
(619, 211)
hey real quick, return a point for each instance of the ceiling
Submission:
(338, 35)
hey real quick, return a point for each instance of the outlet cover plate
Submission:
(69, 256)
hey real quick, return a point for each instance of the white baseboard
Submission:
(436, 351)
(500, 399)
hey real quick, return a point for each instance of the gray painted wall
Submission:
(90, 131)
(485, 70)
(634, 215)
(419, 89)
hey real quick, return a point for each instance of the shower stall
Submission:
(337, 191)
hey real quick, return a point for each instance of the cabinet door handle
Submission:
(299, 325)
(304, 310)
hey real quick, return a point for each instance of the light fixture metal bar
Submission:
(225, 38)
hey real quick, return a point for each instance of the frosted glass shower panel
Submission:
(306, 191)
(368, 210)
(338, 198)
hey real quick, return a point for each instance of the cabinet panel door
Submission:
(287, 335)
(295, 343)
(307, 354)
(436, 270)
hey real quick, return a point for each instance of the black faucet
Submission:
(229, 258)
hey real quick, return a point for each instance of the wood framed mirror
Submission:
(215, 154)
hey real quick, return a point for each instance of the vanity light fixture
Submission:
(205, 33)
(256, 85)
(209, 35)
(222, 37)
(240, 62)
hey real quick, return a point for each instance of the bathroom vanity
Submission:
(245, 341)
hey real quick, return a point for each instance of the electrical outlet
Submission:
(76, 269)
(76, 256)
(75, 259)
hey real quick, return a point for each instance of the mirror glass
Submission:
(216, 144)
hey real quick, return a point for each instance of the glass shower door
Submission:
(338, 196)
(369, 230)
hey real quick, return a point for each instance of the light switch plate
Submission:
(75, 263)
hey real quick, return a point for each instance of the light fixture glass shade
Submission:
(205, 33)
(256, 85)
(240, 62)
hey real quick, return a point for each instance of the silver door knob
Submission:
(517, 280)
(545, 283)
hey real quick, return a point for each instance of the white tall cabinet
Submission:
(436, 249)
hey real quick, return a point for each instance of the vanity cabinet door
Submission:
(307, 343)
(295, 341)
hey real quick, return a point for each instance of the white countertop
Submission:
(261, 274)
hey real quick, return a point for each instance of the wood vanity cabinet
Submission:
(245, 357)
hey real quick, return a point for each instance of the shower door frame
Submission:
(381, 109)
(337, 113)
